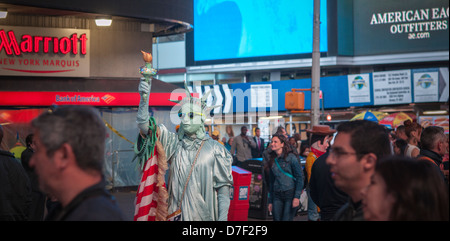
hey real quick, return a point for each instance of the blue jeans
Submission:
(313, 214)
(282, 205)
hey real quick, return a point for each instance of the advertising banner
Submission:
(359, 88)
(261, 95)
(42, 98)
(33, 51)
(242, 31)
(401, 26)
(392, 87)
(426, 85)
(368, 89)
(441, 121)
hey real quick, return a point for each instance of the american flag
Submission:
(149, 200)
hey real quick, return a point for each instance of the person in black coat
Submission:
(434, 145)
(38, 197)
(323, 191)
(258, 151)
(15, 188)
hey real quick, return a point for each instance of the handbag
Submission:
(176, 216)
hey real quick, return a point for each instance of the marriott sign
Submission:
(44, 51)
(31, 44)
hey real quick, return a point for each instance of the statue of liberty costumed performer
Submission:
(206, 195)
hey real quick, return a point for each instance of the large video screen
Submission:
(240, 30)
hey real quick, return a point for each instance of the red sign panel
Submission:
(13, 98)
(34, 51)
(31, 44)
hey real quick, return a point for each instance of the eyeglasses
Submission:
(338, 153)
(190, 114)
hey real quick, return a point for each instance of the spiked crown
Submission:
(201, 102)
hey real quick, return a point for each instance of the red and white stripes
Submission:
(147, 195)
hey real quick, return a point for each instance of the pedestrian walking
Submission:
(70, 144)
(258, 151)
(15, 188)
(352, 159)
(286, 180)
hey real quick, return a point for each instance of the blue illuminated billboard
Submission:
(249, 30)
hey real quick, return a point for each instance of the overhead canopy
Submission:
(168, 17)
(14, 83)
(110, 92)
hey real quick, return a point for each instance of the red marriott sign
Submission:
(44, 51)
(32, 44)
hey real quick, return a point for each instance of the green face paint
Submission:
(192, 118)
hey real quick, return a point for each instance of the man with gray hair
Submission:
(434, 145)
(70, 144)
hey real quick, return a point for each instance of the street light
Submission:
(103, 21)
(3, 12)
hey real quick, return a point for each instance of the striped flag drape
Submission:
(151, 197)
(147, 195)
(150, 203)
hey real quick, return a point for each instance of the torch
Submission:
(147, 71)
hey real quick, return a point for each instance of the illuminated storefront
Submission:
(53, 53)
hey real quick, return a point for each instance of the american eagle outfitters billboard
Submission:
(401, 26)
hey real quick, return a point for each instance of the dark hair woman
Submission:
(286, 180)
(405, 189)
(413, 131)
(400, 146)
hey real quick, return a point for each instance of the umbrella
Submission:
(396, 119)
(369, 115)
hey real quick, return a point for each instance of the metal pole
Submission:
(315, 72)
(290, 124)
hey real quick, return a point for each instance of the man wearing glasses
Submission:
(352, 159)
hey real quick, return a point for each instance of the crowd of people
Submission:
(360, 171)
(358, 178)
(343, 180)
(63, 165)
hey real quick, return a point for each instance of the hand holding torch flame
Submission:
(147, 71)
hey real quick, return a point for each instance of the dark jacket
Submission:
(15, 189)
(280, 182)
(436, 158)
(37, 208)
(92, 204)
(350, 212)
(323, 191)
(258, 151)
